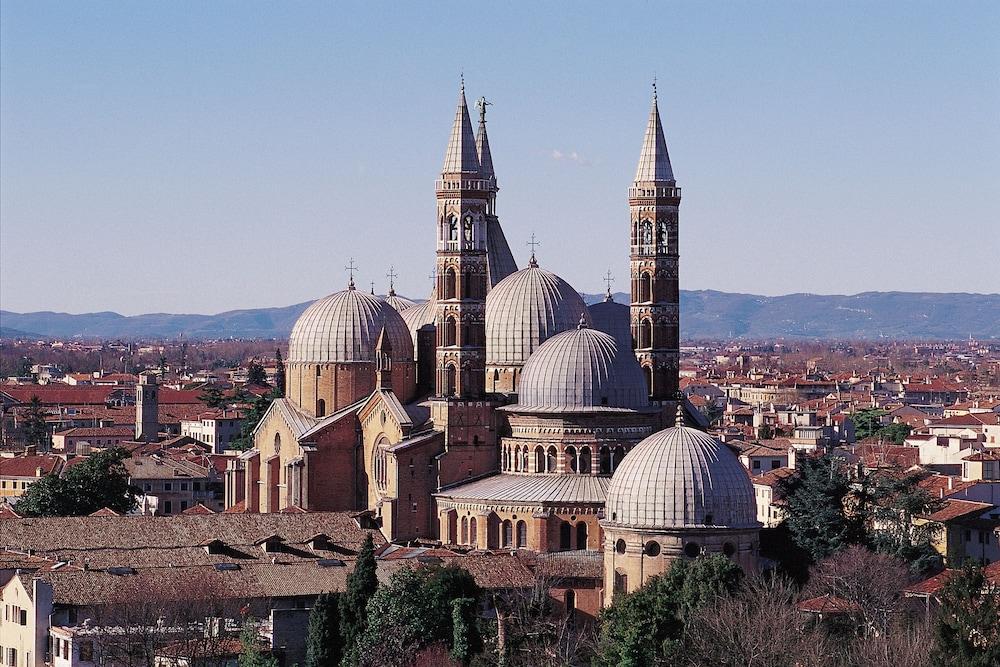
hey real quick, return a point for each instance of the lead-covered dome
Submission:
(398, 302)
(344, 327)
(419, 316)
(613, 319)
(524, 310)
(582, 370)
(680, 478)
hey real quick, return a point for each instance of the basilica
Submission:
(503, 412)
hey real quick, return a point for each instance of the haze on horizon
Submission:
(197, 158)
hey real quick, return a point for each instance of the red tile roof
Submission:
(828, 604)
(957, 509)
(27, 466)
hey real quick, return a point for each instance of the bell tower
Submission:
(654, 200)
(464, 200)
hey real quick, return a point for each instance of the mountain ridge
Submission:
(704, 314)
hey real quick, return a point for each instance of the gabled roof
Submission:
(959, 509)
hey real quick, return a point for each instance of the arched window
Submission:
(450, 283)
(585, 461)
(649, 379)
(645, 287)
(646, 235)
(550, 460)
(616, 457)
(452, 228)
(661, 236)
(565, 535)
(466, 284)
(380, 464)
(277, 443)
(465, 531)
(449, 331)
(524, 459)
(517, 459)
(467, 334)
(320, 407)
(539, 459)
(508, 534)
(645, 334)
(571, 462)
(450, 377)
(581, 535)
(522, 535)
(605, 460)
(473, 534)
(621, 582)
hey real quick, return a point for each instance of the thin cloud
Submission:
(570, 156)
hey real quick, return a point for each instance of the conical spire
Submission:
(654, 163)
(461, 156)
(483, 142)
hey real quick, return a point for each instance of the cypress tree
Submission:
(323, 636)
(36, 431)
(279, 375)
(361, 585)
(463, 620)
(968, 628)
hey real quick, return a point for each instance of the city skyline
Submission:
(202, 152)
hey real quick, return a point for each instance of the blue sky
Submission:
(198, 157)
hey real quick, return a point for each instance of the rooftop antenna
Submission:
(533, 243)
(351, 268)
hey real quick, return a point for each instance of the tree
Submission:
(895, 433)
(415, 610)
(36, 431)
(867, 422)
(258, 407)
(279, 375)
(874, 582)
(757, 625)
(252, 656)
(815, 507)
(362, 584)
(323, 636)
(463, 623)
(24, 369)
(256, 373)
(889, 504)
(647, 626)
(212, 397)
(100, 481)
(968, 630)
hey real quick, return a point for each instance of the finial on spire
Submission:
(679, 419)
(461, 78)
(608, 279)
(392, 280)
(533, 243)
(372, 283)
(583, 321)
(351, 268)
(654, 87)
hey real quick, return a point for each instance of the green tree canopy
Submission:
(969, 620)
(867, 422)
(889, 503)
(36, 431)
(416, 609)
(646, 627)
(258, 407)
(99, 481)
(361, 586)
(323, 647)
(212, 396)
(279, 375)
(256, 373)
(815, 514)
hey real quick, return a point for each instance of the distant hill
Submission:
(704, 314)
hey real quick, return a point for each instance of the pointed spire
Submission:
(483, 141)
(461, 156)
(654, 162)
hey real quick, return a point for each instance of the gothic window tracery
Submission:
(522, 535)
(661, 236)
(452, 228)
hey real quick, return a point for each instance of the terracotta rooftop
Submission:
(828, 604)
(957, 509)
(27, 466)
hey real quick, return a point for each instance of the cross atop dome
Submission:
(533, 244)
(351, 268)
(392, 275)
(608, 279)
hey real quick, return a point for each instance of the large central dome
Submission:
(681, 478)
(524, 310)
(582, 370)
(344, 327)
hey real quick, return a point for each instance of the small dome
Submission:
(524, 310)
(344, 327)
(582, 370)
(613, 319)
(680, 478)
(419, 316)
(398, 302)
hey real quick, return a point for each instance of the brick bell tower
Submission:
(465, 201)
(654, 200)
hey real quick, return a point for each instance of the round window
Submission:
(620, 546)
(652, 548)
(729, 548)
(692, 549)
